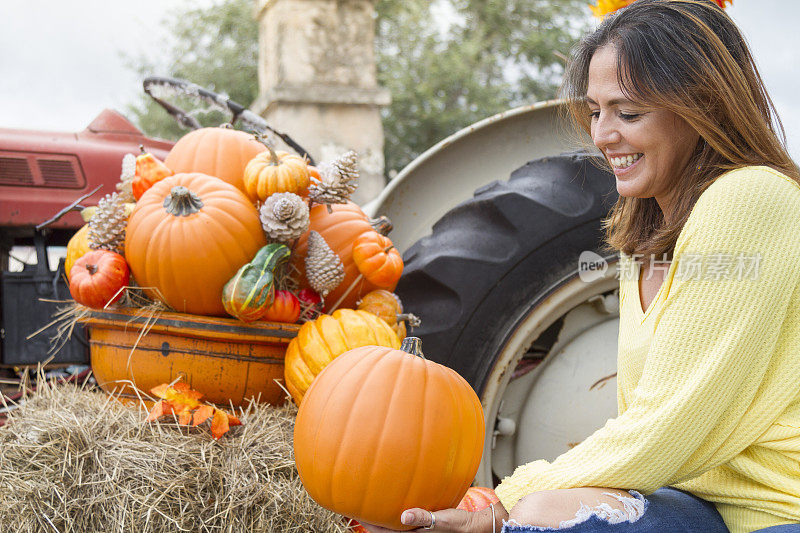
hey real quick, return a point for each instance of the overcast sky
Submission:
(61, 62)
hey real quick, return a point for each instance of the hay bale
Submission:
(72, 459)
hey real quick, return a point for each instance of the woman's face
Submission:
(647, 147)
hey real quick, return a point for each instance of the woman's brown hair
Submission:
(689, 57)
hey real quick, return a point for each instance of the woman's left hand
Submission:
(447, 520)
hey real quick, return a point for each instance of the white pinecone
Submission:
(339, 180)
(108, 223)
(126, 177)
(324, 269)
(284, 216)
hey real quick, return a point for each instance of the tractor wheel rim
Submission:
(567, 296)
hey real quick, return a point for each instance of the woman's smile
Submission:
(622, 163)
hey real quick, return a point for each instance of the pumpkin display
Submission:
(340, 228)
(97, 277)
(388, 307)
(322, 340)
(250, 293)
(275, 171)
(149, 170)
(187, 237)
(477, 498)
(377, 259)
(382, 430)
(77, 246)
(285, 308)
(222, 152)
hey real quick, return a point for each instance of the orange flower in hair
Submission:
(604, 7)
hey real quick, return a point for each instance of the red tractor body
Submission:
(41, 172)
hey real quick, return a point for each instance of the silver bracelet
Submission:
(491, 505)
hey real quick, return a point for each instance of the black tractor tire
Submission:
(493, 258)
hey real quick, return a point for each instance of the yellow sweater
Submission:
(709, 377)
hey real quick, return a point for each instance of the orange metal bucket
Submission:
(225, 359)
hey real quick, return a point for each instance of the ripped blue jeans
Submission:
(666, 510)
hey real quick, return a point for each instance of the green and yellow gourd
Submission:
(249, 293)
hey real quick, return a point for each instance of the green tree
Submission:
(447, 63)
(216, 48)
(488, 57)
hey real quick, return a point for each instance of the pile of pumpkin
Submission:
(227, 225)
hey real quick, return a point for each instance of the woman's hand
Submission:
(449, 520)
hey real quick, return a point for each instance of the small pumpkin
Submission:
(96, 278)
(418, 442)
(189, 234)
(273, 171)
(377, 259)
(310, 304)
(250, 293)
(477, 498)
(222, 152)
(149, 170)
(285, 308)
(322, 340)
(388, 307)
(77, 246)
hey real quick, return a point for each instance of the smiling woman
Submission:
(707, 437)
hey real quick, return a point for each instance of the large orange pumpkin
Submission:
(340, 228)
(383, 430)
(322, 340)
(188, 236)
(221, 152)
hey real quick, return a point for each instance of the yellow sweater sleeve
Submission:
(712, 382)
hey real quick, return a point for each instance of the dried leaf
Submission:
(222, 422)
(219, 426)
(157, 411)
(203, 413)
(179, 399)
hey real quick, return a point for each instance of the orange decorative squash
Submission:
(322, 340)
(149, 170)
(340, 228)
(477, 499)
(77, 246)
(187, 237)
(377, 259)
(270, 172)
(382, 430)
(221, 152)
(388, 307)
(285, 308)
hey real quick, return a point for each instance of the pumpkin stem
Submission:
(182, 202)
(382, 225)
(92, 269)
(386, 250)
(141, 149)
(274, 159)
(412, 319)
(412, 345)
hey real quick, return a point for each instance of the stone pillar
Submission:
(317, 81)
